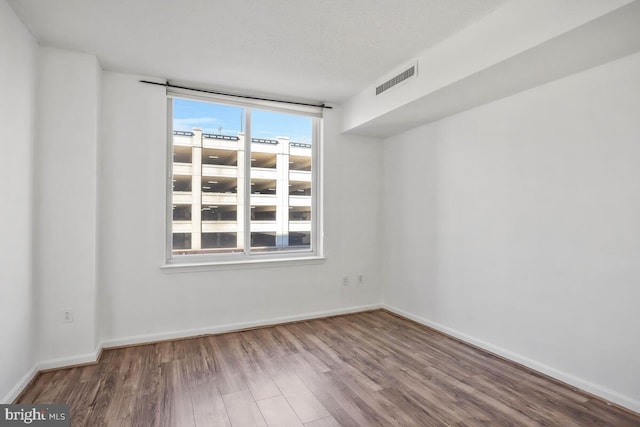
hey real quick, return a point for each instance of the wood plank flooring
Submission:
(366, 369)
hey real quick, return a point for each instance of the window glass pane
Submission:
(280, 181)
(208, 157)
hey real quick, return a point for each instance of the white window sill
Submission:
(187, 267)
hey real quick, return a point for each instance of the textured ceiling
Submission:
(321, 50)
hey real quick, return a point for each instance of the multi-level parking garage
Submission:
(208, 193)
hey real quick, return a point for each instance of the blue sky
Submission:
(188, 114)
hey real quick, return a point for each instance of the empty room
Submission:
(320, 213)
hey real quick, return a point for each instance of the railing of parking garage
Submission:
(235, 138)
(218, 136)
(264, 141)
(300, 144)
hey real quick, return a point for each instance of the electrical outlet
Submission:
(361, 279)
(67, 315)
(345, 281)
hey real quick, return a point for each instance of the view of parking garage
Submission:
(208, 193)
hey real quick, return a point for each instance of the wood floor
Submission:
(366, 369)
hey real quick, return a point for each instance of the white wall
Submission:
(140, 301)
(17, 115)
(65, 204)
(515, 225)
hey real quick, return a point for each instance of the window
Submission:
(243, 181)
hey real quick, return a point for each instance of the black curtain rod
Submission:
(235, 96)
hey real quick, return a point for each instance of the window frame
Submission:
(246, 257)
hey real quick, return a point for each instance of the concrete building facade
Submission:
(209, 193)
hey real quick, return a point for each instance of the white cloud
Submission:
(194, 122)
(207, 124)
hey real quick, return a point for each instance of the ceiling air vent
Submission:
(406, 74)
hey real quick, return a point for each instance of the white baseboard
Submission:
(17, 389)
(594, 389)
(49, 364)
(231, 327)
(69, 361)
